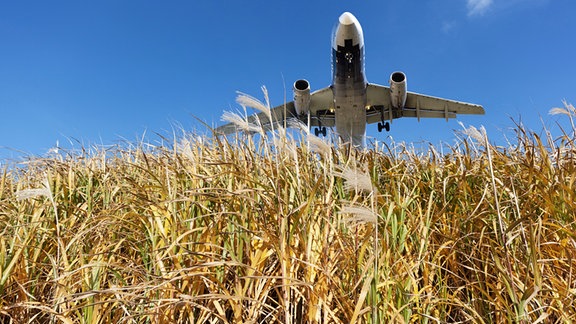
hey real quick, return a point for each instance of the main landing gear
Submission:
(384, 125)
(320, 129)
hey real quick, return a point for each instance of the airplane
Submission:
(351, 102)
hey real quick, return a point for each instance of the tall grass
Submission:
(264, 230)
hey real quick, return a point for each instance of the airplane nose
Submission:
(347, 28)
(347, 19)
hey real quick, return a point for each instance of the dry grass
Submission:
(263, 231)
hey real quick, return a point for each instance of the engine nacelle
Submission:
(398, 90)
(302, 96)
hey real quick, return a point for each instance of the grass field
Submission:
(269, 229)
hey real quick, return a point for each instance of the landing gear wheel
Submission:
(385, 126)
(320, 130)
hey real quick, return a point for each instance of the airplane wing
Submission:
(321, 113)
(417, 105)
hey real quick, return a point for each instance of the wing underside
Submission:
(417, 106)
(378, 104)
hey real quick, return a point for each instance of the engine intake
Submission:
(398, 90)
(302, 96)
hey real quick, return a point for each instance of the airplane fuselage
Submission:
(349, 80)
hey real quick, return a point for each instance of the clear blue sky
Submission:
(101, 72)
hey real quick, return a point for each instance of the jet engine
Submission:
(398, 90)
(302, 96)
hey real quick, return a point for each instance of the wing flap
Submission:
(423, 102)
(427, 114)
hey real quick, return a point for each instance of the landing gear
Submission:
(383, 125)
(320, 129)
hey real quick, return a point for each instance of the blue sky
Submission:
(81, 73)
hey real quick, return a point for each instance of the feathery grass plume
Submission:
(299, 125)
(361, 215)
(560, 111)
(568, 110)
(266, 98)
(240, 122)
(473, 132)
(318, 145)
(315, 143)
(354, 179)
(32, 193)
(246, 100)
(188, 146)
